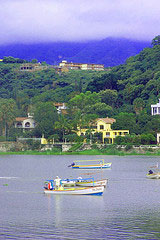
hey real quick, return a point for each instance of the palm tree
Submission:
(62, 124)
(7, 113)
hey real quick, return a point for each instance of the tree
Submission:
(100, 109)
(108, 96)
(7, 114)
(125, 121)
(63, 125)
(138, 105)
(105, 81)
(34, 61)
(22, 101)
(156, 41)
(83, 99)
(45, 115)
(148, 139)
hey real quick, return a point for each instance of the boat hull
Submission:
(104, 166)
(97, 183)
(77, 191)
(153, 176)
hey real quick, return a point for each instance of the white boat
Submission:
(83, 182)
(77, 191)
(90, 182)
(96, 164)
(155, 175)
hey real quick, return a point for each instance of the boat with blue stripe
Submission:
(50, 188)
(90, 164)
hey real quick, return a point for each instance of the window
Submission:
(27, 124)
(101, 126)
(19, 125)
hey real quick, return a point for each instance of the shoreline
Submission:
(85, 152)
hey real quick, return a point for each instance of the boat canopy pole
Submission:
(73, 179)
(98, 160)
(77, 179)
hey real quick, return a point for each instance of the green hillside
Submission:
(125, 93)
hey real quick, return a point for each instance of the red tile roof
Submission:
(20, 119)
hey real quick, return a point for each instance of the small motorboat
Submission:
(76, 191)
(96, 164)
(154, 175)
(57, 186)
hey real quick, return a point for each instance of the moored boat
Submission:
(90, 182)
(98, 165)
(154, 175)
(76, 191)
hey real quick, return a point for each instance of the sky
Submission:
(36, 21)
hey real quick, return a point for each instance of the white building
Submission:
(61, 107)
(155, 109)
(25, 123)
(82, 66)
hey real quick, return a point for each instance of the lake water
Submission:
(128, 209)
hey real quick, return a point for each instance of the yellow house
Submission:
(103, 125)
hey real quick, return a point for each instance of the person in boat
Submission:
(150, 172)
(71, 165)
(79, 179)
(58, 185)
(49, 185)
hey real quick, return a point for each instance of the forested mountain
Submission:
(110, 51)
(139, 77)
(125, 93)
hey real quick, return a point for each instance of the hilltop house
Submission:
(31, 67)
(155, 109)
(81, 66)
(61, 108)
(103, 125)
(25, 123)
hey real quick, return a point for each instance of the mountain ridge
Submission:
(109, 51)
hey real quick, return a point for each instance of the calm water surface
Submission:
(128, 209)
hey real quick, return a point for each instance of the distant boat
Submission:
(155, 173)
(86, 164)
(77, 191)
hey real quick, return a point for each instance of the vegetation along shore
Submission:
(94, 150)
(42, 104)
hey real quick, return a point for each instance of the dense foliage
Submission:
(125, 92)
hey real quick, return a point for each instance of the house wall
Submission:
(28, 123)
(155, 109)
(107, 126)
(82, 66)
(107, 132)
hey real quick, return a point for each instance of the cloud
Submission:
(30, 21)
